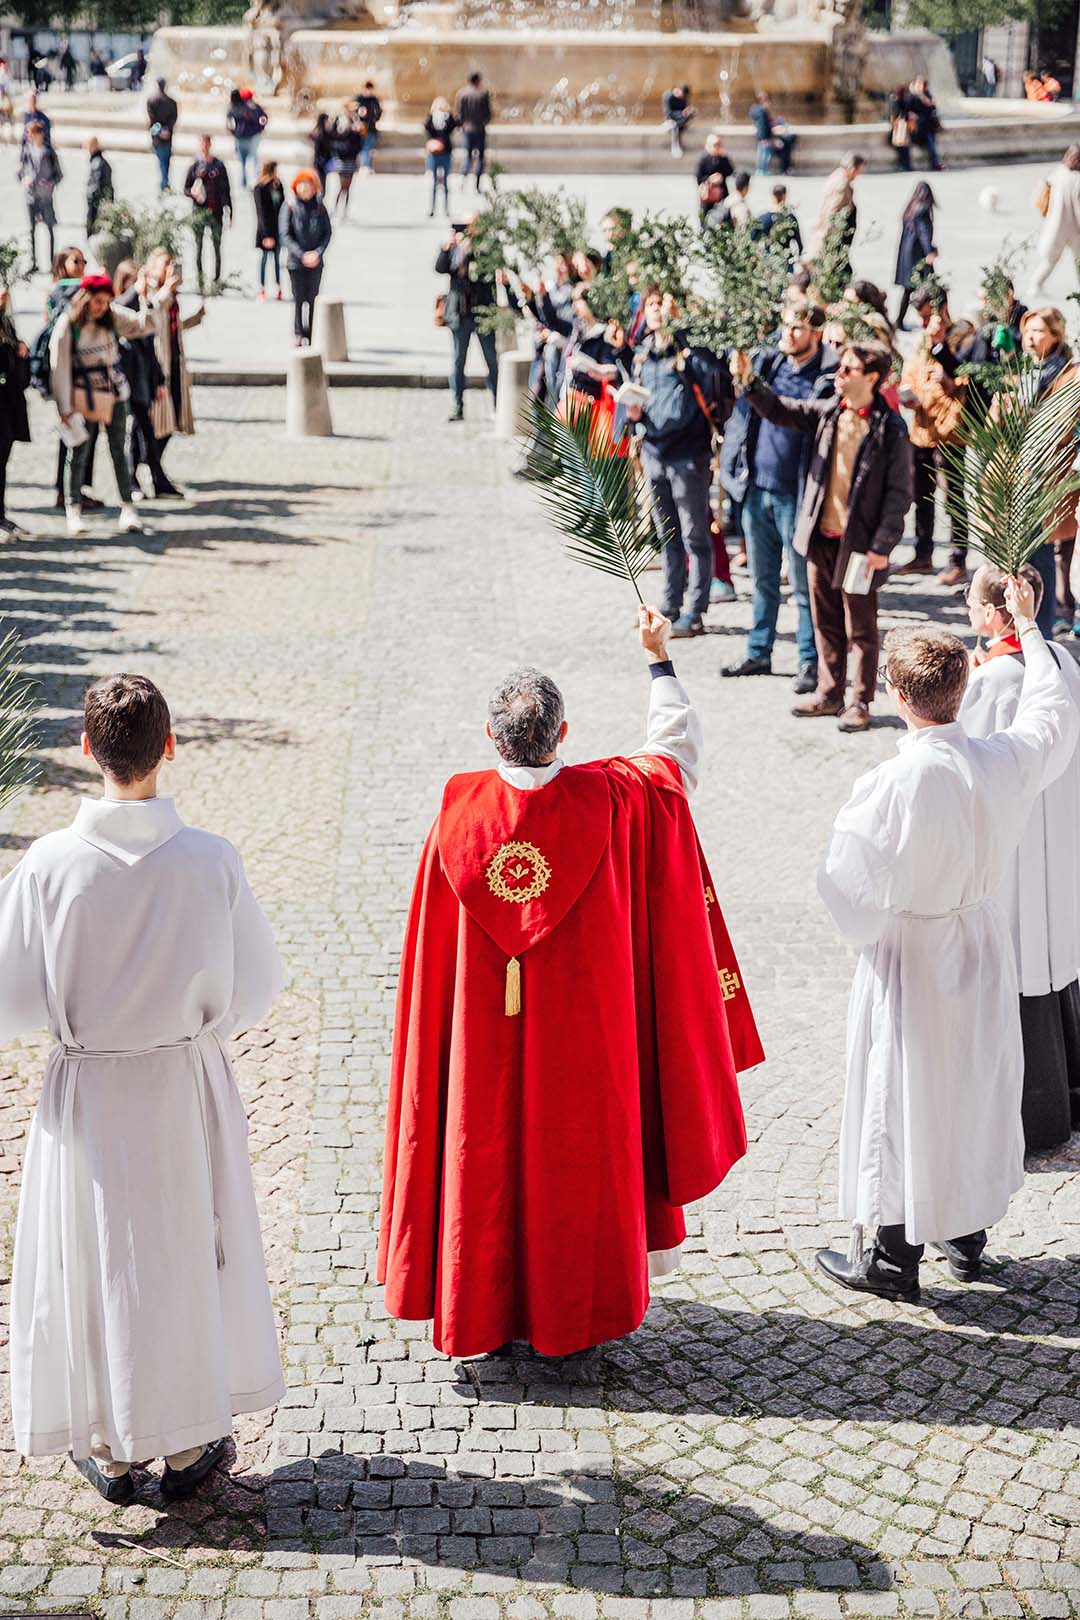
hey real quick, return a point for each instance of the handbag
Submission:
(93, 405)
(1042, 199)
(901, 132)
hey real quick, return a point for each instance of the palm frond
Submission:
(1016, 460)
(17, 706)
(588, 493)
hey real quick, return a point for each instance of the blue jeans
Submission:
(367, 151)
(246, 150)
(475, 153)
(680, 488)
(438, 166)
(768, 523)
(163, 153)
(765, 150)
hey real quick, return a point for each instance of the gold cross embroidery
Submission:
(710, 898)
(729, 983)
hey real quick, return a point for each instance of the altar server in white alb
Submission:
(141, 1319)
(1041, 897)
(932, 1146)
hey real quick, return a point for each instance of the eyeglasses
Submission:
(844, 369)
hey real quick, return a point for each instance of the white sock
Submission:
(184, 1459)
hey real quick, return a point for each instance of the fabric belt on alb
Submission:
(188, 1043)
(939, 916)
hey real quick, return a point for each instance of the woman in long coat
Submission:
(916, 244)
(14, 421)
(1061, 231)
(171, 411)
(1042, 337)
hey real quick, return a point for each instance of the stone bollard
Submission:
(307, 404)
(329, 332)
(513, 392)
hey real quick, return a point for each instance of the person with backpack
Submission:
(690, 399)
(14, 421)
(68, 268)
(39, 175)
(245, 122)
(88, 385)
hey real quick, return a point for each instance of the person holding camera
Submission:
(468, 293)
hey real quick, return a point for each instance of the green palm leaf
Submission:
(17, 705)
(589, 494)
(1016, 459)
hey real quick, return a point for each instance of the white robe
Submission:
(1041, 893)
(932, 1135)
(140, 1315)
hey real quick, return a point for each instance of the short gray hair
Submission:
(525, 713)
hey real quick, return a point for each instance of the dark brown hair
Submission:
(874, 358)
(79, 309)
(930, 667)
(127, 723)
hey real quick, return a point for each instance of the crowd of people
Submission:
(822, 451)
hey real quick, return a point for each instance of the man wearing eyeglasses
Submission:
(764, 466)
(855, 498)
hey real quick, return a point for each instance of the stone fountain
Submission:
(551, 62)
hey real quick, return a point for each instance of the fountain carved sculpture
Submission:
(548, 61)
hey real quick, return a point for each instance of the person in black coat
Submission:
(305, 231)
(99, 183)
(14, 421)
(321, 138)
(916, 244)
(466, 295)
(269, 195)
(145, 378)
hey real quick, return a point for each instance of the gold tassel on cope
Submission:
(513, 987)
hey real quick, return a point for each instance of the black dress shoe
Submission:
(90, 503)
(866, 1276)
(117, 1491)
(750, 666)
(179, 1482)
(964, 1257)
(806, 680)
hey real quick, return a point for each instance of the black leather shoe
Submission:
(179, 1482)
(117, 1491)
(964, 1258)
(866, 1277)
(806, 680)
(750, 666)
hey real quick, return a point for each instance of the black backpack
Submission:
(39, 358)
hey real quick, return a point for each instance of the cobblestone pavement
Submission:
(327, 619)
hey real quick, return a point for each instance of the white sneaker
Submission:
(128, 521)
(75, 524)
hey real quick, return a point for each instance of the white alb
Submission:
(1041, 893)
(140, 1316)
(931, 1135)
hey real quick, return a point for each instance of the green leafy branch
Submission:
(590, 493)
(18, 704)
(1017, 465)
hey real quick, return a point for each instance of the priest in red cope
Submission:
(570, 1021)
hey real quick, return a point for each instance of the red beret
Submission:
(96, 284)
(246, 95)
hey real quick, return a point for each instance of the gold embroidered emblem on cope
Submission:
(518, 872)
(729, 983)
(710, 898)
